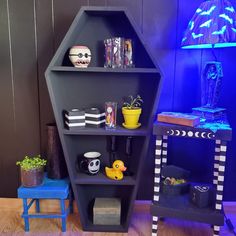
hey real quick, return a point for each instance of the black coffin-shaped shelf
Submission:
(71, 87)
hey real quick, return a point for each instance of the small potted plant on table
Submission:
(32, 170)
(131, 112)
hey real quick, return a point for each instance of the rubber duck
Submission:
(116, 171)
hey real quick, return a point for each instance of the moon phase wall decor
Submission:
(197, 134)
(202, 132)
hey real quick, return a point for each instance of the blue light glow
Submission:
(214, 23)
(217, 45)
(207, 13)
(206, 24)
(198, 10)
(223, 29)
(195, 36)
(191, 25)
(226, 17)
(184, 39)
(231, 9)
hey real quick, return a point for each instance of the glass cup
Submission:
(110, 114)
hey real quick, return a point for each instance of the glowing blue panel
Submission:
(217, 45)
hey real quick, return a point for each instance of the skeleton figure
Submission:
(212, 76)
(80, 56)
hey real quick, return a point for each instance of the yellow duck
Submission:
(116, 171)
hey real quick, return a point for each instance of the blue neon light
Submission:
(217, 45)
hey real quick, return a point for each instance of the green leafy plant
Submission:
(135, 102)
(31, 163)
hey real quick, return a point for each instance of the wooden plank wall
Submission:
(31, 31)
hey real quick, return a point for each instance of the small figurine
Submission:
(110, 114)
(116, 171)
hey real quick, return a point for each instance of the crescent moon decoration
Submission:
(203, 134)
(196, 134)
(183, 132)
(210, 135)
(177, 132)
(172, 132)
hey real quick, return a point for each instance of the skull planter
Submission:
(80, 56)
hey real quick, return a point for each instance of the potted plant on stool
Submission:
(32, 170)
(131, 112)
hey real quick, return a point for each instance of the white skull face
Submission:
(94, 166)
(80, 56)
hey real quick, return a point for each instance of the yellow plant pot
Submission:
(131, 117)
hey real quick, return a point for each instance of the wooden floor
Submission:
(11, 224)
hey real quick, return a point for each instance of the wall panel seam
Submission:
(11, 65)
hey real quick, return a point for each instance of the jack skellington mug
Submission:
(90, 163)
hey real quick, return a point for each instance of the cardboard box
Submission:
(179, 118)
(107, 211)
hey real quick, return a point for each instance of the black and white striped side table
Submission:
(179, 206)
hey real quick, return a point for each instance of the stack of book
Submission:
(179, 118)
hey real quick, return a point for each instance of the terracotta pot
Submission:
(32, 178)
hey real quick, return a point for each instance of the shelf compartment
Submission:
(74, 90)
(104, 70)
(180, 207)
(90, 192)
(101, 179)
(94, 28)
(119, 131)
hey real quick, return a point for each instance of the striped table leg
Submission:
(220, 182)
(164, 150)
(216, 230)
(157, 179)
(216, 162)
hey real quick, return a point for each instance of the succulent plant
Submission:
(31, 163)
(135, 102)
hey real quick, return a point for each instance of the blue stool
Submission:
(50, 189)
